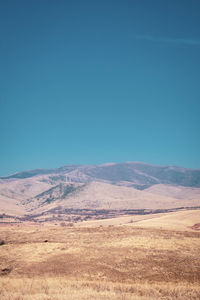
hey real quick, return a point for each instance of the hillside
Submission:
(98, 195)
(174, 191)
(124, 186)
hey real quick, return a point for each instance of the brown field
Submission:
(129, 261)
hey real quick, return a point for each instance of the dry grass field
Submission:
(179, 220)
(100, 262)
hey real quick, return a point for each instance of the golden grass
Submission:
(113, 262)
(121, 220)
(59, 288)
(179, 220)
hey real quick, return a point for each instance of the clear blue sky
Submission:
(87, 82)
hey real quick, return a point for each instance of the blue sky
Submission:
(87, 82)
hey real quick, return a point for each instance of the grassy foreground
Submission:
(111, 262)
(61, 289)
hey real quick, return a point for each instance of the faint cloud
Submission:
(189, 42)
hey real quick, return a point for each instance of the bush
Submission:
(2, 242)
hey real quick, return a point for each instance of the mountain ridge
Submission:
(110, 186)
(137, 173)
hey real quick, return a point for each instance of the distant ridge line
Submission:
(136, 174)
(94, 165)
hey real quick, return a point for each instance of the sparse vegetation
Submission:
(112, 262)
(59, 288)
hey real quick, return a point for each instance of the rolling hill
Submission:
(123, 186)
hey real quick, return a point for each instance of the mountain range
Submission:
(116, 186)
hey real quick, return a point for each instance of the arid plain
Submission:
(137, 257)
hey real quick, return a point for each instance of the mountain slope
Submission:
(24, 188)
(174, 191)
(145, 174)
(130, 185)
(98, 195)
